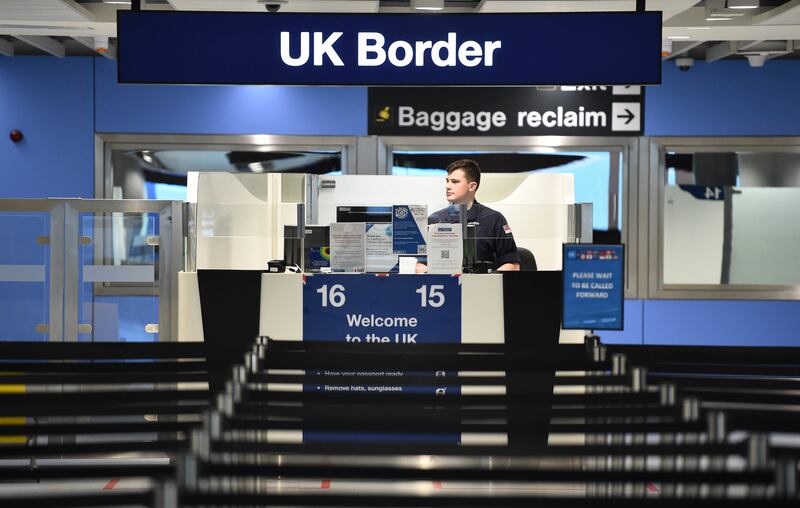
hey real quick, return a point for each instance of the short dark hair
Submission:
(470, 168)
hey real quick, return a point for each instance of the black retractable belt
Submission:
(663, 419)
(81, 401)
(102, 351)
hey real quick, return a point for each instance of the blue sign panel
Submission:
(593, 287)
(373, 384)
(705, 192)
(396, 309)
(408, 229)
(395, 49)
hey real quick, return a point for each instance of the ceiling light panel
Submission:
(743, 4)
(557, 6)
(427, 5)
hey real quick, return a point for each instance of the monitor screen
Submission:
(370, 214)
(594, 285)
(315, 247)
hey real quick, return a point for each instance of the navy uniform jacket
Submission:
(494, 243)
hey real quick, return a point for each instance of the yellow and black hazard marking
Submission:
(12, 389)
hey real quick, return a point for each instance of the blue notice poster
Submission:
(593, 287)
(409, 228)
(375, 309)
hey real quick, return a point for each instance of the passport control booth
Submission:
(361, 234)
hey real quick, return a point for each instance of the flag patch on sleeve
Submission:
(507, 229)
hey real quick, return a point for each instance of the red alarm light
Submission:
(16, 135)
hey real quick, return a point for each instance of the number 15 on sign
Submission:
(431, 296)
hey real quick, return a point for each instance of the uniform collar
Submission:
(472, 213)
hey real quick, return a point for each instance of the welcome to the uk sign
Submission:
(395, 49)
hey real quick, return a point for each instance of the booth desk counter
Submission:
(522, 309)
(394, 308)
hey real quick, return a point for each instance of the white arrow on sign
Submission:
(626, 116)
(626, 90)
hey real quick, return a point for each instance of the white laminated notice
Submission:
(445, 248)
(348, 247)
(379, 248)
(407, 264)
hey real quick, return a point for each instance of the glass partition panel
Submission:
(539, 208)
(233, 235)
(729, 218)
(500, 233)
(764, 236)
(240, 236)
(597, 176)
(128, 258)
(496, 233)
(24, 276)
(241, 219)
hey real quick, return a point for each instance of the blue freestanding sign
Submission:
(593, 287)
(379, 309)
(608, 48)
(374, 309)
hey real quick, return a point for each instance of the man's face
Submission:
(458, 189)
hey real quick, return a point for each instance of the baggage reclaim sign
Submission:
(509, 111)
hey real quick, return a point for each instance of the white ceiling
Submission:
(292, 6)
(668, 7)
(43, 10)
(786, 14)
(53, 23)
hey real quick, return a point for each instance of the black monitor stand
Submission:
(470, 250)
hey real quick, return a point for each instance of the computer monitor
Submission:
(314, 250)
(368, 214)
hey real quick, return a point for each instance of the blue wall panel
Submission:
(715, 323)
(709, 323)
(227, 109)
(725, 98)
(50, 101)
(634, 328)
